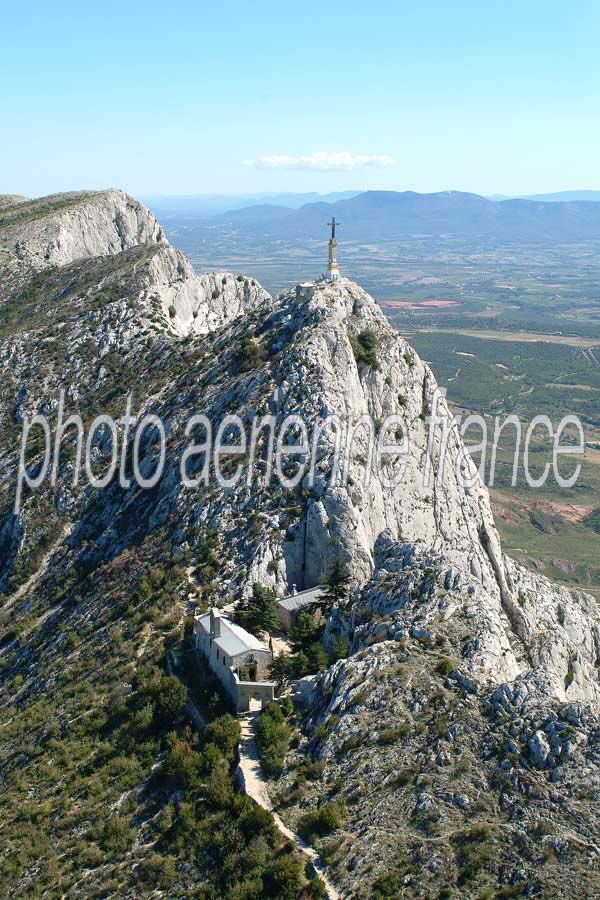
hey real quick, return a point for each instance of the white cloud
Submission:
(322, 160)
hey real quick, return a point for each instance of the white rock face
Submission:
(67, 228)
(322, 378)
(560, 630)
(522, 626)
(78, 227)
(198, 304)
(223, 297)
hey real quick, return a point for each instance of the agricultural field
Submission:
(553, 529)
(501, 376)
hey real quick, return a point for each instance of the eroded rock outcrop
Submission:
(471, 689)
(197, 304)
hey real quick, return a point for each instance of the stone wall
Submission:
(261, 658)
(261, 691)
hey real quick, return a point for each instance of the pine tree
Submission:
(258, 612)
(305, 632)
(281, 666)
(336, 585)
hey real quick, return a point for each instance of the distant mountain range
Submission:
(376, 214)
(202, 205)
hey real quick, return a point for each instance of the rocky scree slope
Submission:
(434, 589)
(452, 785)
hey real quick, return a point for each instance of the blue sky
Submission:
(185, 97)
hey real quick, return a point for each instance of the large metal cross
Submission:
(332, 224)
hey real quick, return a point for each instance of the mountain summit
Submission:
(460, 732)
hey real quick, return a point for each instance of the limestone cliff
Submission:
(306, 365)
(64, 229)
(455, 651)
(520, 623)
(192, 304)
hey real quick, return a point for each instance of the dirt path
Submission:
(253, 783)
(281, 643)
(147, 631)
(251, 779)
(33, 579)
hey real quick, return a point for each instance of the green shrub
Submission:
(224, 733)
(273, 738)
(116, 835)
(249, 355)
(304, 633)
(318, 660)
(322, 821)
(184, 766)
(387, 887)
(445, 666)
(340, 649)
(593, 521)
(403, 777)
(364, 346)
(316, 890)
(287, 706)
(258, 612)
(321, 732)
(388, 736)
(281, 667)
(284, 878)
(156, 870)
(473, 851)
(169, 696)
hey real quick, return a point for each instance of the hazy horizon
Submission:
(151, 196)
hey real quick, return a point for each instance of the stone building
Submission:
(304, 601)
(239, 660)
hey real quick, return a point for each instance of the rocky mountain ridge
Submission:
(64, 229)
(96, 303)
